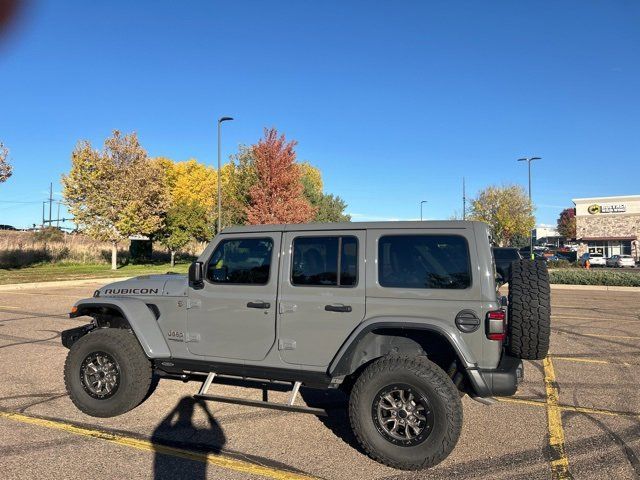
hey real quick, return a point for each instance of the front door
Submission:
(234, 314)
(322, 294)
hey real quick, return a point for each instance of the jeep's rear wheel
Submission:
(405, 412)
(529, 327)
(107, 373)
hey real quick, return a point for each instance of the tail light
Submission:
(496, 325)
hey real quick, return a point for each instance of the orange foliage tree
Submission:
(278, 194)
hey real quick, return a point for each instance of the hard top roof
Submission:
(300, 227)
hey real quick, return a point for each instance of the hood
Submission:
(146, 286)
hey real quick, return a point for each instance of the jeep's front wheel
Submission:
(406, 412)
(107, 373)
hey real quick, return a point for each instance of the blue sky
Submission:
(394, 101)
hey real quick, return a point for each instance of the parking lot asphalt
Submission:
(577, 414)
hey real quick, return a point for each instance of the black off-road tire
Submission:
(135, 372)
(433, 383)
(529, 319)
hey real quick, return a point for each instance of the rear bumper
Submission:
(499, 382)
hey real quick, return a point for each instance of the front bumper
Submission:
(71, 336)
(499, 382)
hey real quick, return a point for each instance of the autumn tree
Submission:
(191, 198)
(507, 211)
(567, 223)
(116, 192)
(5, 166)
(278, 195)
(329, 208)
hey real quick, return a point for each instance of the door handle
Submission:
(338, 308)
(259, 304)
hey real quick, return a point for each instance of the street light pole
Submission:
(421, 203)
(529, 160)
(220, 120)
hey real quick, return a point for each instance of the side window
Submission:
(241, 261)
(325, 261)
(424, 261)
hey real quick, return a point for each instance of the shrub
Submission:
(574, 276)
(561, 264)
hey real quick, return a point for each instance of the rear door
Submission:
(322, 293)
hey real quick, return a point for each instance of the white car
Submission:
(595, 260)
(621, 261)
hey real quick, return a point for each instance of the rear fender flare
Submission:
(141, 319)
(342, 364)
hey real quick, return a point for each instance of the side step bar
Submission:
(289, 406)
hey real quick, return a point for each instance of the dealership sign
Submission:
(618, 208)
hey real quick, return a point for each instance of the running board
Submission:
(288, 407)
(259, 403)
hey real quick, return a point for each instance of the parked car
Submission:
(595, 260)
(620, 261)
(504, 257)
(275, 305)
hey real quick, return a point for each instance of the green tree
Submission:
(567, 223)
(185, 221)
(5, 166)
(329, 208)
(116, 192)
(507, 211)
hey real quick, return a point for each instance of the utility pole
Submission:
(464, 201)
(50, 200)
(43, 204)
(529, 160)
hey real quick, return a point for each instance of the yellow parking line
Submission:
(589, 360)
(570, 408)
(559, 460)
(221, 461)
(9, 307)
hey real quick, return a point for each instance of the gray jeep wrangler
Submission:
(405, 317)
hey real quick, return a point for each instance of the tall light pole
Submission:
(220, 120)
(529, 160)
(422, 203)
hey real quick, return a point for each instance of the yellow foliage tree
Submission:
(507, 211)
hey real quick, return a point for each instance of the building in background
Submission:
(608, 225)
(546, 235)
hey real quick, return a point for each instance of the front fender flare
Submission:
(142, 321)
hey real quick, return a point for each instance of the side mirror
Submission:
(196, 277)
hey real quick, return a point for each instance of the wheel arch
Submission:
(127, 313)
(402, 335)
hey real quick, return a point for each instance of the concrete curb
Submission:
(601, 288)
(59, 283)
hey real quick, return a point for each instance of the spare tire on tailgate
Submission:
(529, 321)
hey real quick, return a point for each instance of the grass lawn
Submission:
(69, 271)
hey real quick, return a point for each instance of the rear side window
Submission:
(325, 261)
(424, 261)
(241, 261)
